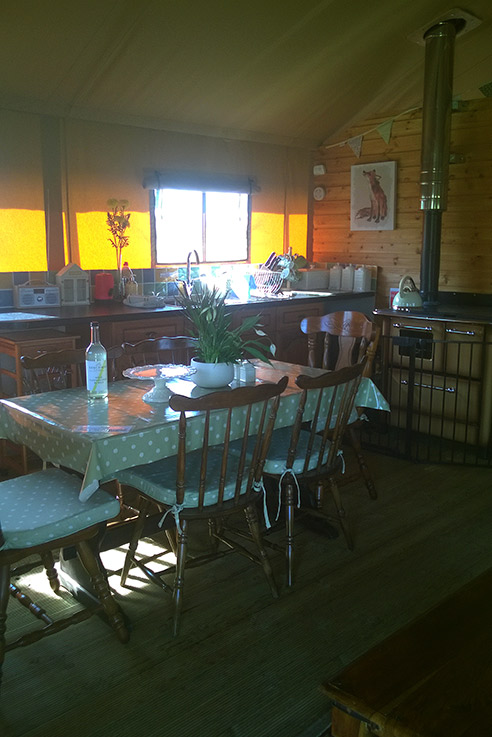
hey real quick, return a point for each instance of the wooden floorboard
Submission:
(245, 665)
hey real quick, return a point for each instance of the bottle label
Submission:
(97, 377)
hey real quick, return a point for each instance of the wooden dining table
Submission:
(99, 438)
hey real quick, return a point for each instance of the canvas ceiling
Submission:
(294, 72)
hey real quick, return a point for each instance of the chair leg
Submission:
(341, 516)
(4, 600)
(366, 474)
(49, 566)
(101, 587)
(171, 538)
(289, 529)
(182, 548)
(213, 529)
(137, 533)
(254, 528)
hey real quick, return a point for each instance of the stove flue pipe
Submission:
(436, 133)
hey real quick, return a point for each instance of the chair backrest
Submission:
(168, 349)
(234, 416)
(61, 369)
(347, 337)
(330, 399)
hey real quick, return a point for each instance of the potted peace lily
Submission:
(219, 346)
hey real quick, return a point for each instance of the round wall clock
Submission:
(319, 193)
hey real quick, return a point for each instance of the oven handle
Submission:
(411, 327)
(449, 389)
(460, 332)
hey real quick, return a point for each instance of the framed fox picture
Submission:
(373, 196)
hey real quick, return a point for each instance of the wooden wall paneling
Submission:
(466, 253)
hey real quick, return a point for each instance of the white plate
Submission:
(159, 373)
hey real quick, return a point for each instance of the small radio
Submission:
(31, 295)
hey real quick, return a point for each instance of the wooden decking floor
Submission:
(245, 665)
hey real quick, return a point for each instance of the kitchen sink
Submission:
(308, 293)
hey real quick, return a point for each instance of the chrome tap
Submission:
(189, 283)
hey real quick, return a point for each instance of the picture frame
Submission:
(373, 196)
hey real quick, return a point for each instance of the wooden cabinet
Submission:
(27, 343)
(291, 342)
(131, 331)
(281, 321)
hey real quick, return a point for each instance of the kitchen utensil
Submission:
(408, 294)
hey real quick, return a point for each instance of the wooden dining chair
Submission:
(40, 513)
(53, 370)
(210, 482)
(168, 349)
(63, 369)
(342, 339)
(309, 454)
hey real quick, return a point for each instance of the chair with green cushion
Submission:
(209, 482)
(310, 453)
(40, 513)
(341, 339)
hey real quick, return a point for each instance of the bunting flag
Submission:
(356, 145)
(384, 130)
(486, 89)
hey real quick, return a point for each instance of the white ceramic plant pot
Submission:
(212, 375)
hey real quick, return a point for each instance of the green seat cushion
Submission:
(276, 459)
(277, 454)
(158, 479)
(44, 506)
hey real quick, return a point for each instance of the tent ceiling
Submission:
(289, 72)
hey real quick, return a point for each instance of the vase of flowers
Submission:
(219, 346)
(118, 221)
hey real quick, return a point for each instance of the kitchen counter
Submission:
(73, 316)
(22, 332)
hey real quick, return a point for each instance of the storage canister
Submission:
(335, 277)
(348, 278)
(362, 279)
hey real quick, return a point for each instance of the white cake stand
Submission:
(159, 373)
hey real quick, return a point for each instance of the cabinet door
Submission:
(464, 349)
(131, 331)
(291, 341)
(266, 318)
(443, 406)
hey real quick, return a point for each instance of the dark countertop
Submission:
(448, 313)
(109, 311)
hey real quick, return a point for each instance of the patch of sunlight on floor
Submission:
(155, 557)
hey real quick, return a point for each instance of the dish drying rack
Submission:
(267, 282)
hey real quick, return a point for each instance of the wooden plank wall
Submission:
(466, 246)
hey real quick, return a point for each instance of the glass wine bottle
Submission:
(96, 366)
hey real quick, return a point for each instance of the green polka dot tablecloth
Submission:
(102, 437)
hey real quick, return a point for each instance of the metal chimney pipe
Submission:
(436, 133)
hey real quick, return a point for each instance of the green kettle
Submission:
(408, 295)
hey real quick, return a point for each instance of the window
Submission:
(215, 224)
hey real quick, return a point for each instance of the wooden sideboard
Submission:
(19, 343)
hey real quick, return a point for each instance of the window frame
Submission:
(153, 234)
(203, 182)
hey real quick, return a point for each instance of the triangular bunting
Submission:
(486, 89)
(355, 144)
(384, 130)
